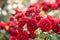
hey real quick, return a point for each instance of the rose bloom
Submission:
(22, 36)
(22, 22)
(32, 35)
(12, 38)
(56, 27)
(51, 19)
(32, 25)
(45, 25)
(35, 8)
(36, 17)
(2, 24)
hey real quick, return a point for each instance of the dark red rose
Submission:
(2, 24)
(58, 3)
(14, 32)
(57, 0)
(48, 4)
(56, 27)
(11, 18)
(22, 22)
(45, 8)
(19, 15)
(22, 36)
(32, 9)
(11, 23)
(19, 29)
(45, 25)
(12, 38)
(37, 8)
(37, 17)
(29, 10)
(32, 25)
(32, 35)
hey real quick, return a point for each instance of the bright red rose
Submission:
(45, 25)
(56, 27)
(54, 6)
(51, 19)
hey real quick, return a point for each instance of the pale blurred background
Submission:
(7, 7)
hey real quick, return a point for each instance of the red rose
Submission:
(14, 32)
(2, 24)
(10, 26)
(22, 36)
(29, 11)
(45, 8)
(32, 35)
(11, 23)
(51, 19)
(32, 25)
(22, 22)
(36, 17)
(19, 15)
(12, 38)
(33, 9)
(18, 10)
(54, 6)
(56, 27)
(58, 3)
(11, 18)
(45, 25)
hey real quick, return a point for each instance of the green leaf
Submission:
(37, 38)
(42, 35)
(51, 37)
(4, 2)
(58, 36)
(3, 18)
(48, 38)
(55, 15)
(2, 37)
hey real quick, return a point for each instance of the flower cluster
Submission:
(22, 25)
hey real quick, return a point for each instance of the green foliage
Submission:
(51, 37)
(4, 2)
(2, 37)
(3, 18)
